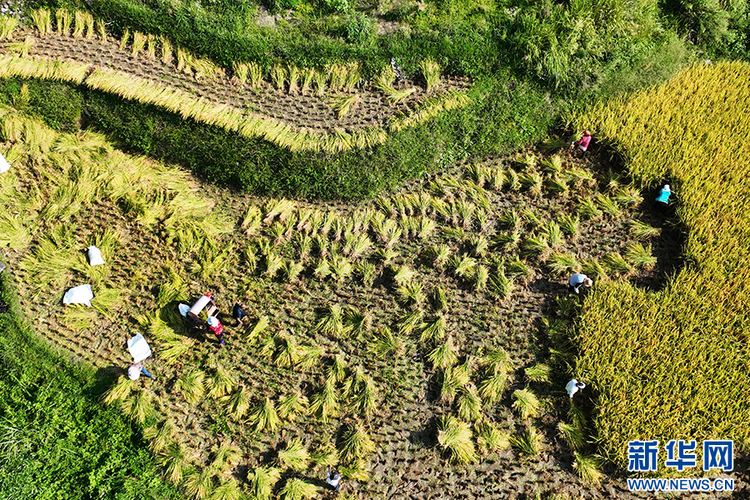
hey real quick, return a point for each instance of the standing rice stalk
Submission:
(139, 40)
(430, 73)
(151, 40)
(278, 76)
(294, 75)
(320, 78)
(337, 76)
(101, 30)
(124, 40)
(240, 72)
(90, 25)
(63, 20)
(42, 20)
(7, 26)
(308, 75)
(166, 51)
(353, 76)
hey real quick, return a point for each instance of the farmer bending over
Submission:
(215, 326)
(577, 281)
(135, 370)
(238, 312)
(583, 143)
(663, 199)
(333, 479)
(574, 386)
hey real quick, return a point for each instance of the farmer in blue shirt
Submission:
(663, 199)
(577, 281)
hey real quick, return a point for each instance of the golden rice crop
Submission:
(674, 362)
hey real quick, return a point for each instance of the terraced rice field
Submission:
(371, 324)
(328, 109)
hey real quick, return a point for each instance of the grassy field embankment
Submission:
(674, 364)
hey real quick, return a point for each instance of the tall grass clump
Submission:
(663, 133)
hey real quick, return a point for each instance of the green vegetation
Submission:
(53, 426)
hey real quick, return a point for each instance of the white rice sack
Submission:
(79, 295)
(4, 165)
(138, 348)
(95, 256)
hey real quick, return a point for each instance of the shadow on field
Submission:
(104, 378)
(668, 247)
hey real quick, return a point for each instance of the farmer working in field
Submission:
(583, 143)
(333, 479)
(578, 280)
(238, 312)
(663, 199)
(135, 370)
(574, 386)
(215, 326)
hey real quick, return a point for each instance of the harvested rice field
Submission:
(419, 342)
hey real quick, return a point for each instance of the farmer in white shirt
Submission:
(578, 280)
(334, 478)
(135, 370)
(574, 386)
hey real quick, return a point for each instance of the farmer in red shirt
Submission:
(215, 326)
(583, 143)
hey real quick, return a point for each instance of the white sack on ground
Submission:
(79, 295)
(138, 348)
(4, 165)
(95, 256)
